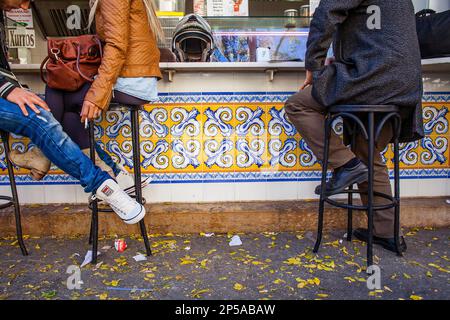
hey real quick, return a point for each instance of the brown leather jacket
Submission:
(130, 47)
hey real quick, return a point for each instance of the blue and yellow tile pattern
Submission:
(240, 137)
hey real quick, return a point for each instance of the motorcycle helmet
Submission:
(193, 40)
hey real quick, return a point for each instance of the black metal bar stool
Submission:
(371, 132)
(93, 205)
(14, 199)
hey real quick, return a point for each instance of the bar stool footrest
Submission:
(107, 208)
(9, 202)
(392, 204)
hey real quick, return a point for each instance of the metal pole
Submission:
(94, 224)
(15, 197)
(323, 183)
(371, 146)
(397, 190)
(137, 171)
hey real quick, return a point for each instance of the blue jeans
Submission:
(46, 133)
(106, 158)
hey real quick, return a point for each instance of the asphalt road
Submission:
(265, 266)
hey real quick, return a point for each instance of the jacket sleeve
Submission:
(115, 17)
(6, 87)
(327, 16)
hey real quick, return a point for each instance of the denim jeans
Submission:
(106, 158)
(46, 133)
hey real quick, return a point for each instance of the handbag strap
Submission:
(79, 56)
(59, 61)
(43, 65)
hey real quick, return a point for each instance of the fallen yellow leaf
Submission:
(278, 281)
(112, 283)
(187, 260)
(197, 293)
(103, 296)
(203, 263)
(238, 287)
(293, 261)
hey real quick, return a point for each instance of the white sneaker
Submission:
(126, 208)
(126, 182)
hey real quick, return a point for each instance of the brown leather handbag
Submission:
(71, 61)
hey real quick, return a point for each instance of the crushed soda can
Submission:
(120, 245)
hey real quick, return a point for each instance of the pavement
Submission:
(275, 266)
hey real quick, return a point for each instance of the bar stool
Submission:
(93, 205)
(371, 132)
(14, 199)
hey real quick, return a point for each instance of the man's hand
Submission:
(308, 81)
(309, 75)
(24, 98)
(90, 111)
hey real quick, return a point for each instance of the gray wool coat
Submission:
(380, 64)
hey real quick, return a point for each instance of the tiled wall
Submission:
(235, 146)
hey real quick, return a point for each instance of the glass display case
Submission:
(259, 39)
(171, 6)
(436, 5)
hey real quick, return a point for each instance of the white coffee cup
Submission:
(263, 54)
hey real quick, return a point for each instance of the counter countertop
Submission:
(439, 64)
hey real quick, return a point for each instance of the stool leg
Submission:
(350, 215)
(93, 237)
(137, 172)
(15, 197)
(397, 195)
(371, 147)
(91, 232)
(350, 195)
(323, 184)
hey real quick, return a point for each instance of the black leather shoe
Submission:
(386, 243)
(343, 178)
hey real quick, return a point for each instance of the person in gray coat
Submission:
(377, 61)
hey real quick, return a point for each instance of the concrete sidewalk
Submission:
(265, 266)
(220, 217)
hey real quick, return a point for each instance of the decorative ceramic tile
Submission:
(307, 159)
(433, 152)
(436, 118)
(409, 155)
(229, 137)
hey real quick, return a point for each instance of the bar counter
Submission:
(219, 133)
